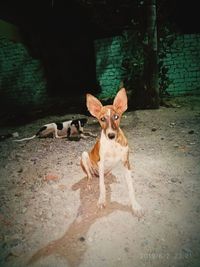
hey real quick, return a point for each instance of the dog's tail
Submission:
(25, 139)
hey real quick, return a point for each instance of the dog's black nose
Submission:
(111, 135)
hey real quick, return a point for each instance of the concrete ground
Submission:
(48, 217)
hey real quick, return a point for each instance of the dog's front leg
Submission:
(102, 196)
(61, 136)
(90, 134)
(137, 209)
(86, 135)
(83, 136)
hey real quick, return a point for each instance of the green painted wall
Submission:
(21, 81)
(23, 86)
(108, 65)
(183, 62)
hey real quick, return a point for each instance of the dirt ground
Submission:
(48, 217)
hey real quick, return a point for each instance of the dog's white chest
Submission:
(111, 153)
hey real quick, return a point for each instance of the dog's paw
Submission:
(101, 203)
(137, 210)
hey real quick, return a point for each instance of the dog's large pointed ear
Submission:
(120, 101)
(93, 104)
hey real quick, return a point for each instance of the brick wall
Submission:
(108, 65)
(22, 84)
(21, 81)
(183, 62)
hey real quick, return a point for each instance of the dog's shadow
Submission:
(73, 244)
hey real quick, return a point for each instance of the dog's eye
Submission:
(116, 117)
(103, 119)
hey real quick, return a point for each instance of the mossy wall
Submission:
(21, 81)
(23, 86)
(182, 61)
(108, 65)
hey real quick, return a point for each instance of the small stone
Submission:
(82, 239)
(126, 249)
(51, 177)
(191, 132)
(15, 134)
(176, 145)
(20, 170)
(174, 180)
(18, 194)
(151, 185)
(153, 129)
(24, 210)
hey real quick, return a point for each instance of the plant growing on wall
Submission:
(166, 39)
(133, 59)
(142, 24)
(144, 84)
(143, 57)
(132, 63)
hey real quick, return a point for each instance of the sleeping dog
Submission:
(64, 129)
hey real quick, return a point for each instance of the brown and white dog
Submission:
(112, 147)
